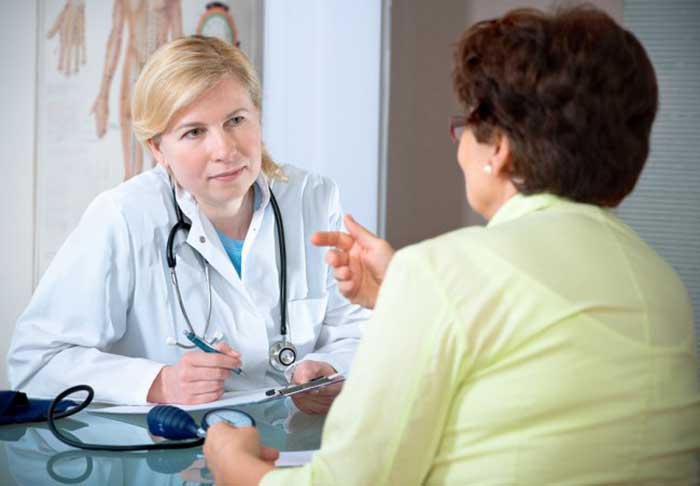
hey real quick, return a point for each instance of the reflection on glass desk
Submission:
(31, 456)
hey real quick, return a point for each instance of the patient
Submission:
(552, 346)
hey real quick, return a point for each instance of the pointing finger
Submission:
(333, 238)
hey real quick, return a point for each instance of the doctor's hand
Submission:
(359, 260)
(316, 401)
(197, 378)
(236, 456)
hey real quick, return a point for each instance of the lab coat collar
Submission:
(520, 205)
(189, 205)
(263, 184)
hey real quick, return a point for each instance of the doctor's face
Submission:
(213, 146)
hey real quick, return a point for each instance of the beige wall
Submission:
(425, 189)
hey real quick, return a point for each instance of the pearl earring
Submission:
(488, 169)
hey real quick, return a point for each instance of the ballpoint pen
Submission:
(206, 347)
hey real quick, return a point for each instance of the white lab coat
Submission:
(106, 306)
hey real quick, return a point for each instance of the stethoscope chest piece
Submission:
(283, 354)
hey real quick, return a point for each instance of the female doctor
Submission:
(213, 242)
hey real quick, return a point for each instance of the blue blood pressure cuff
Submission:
(16, 408)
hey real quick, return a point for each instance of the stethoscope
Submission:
(282, 353)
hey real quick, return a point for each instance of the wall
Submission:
(321, 94)
(17, 55)
(424, 186)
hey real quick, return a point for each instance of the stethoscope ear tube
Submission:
(283, 265)
(282, 354)
(181, 224)
(169, 254)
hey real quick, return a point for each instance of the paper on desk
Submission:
(228, 399)
(294, 458)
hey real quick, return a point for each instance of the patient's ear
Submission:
(501, 159)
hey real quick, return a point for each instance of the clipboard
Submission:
(319, 382)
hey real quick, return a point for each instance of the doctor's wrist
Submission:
(157, 392)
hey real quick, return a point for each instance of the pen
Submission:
(204, 346)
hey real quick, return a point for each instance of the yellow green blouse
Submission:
(551, 347)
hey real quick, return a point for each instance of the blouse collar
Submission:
(520, 205)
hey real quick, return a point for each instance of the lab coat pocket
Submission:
(305, 321)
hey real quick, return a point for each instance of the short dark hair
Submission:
(573, 91)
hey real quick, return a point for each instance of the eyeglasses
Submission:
(457, 125)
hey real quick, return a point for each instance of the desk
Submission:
(32, 456)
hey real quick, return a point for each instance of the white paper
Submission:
(294, 458)
(229, 399)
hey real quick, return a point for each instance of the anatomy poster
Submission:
(90, 54)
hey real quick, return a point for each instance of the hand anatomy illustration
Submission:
(149, 23)
(138, 28)
(70, 27)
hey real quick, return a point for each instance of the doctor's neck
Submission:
(232, 217)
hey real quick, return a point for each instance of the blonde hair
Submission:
(181, 71)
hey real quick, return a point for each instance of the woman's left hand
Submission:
(236, 456)
(316, 401)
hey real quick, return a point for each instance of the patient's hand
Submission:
(236, 456)
(359, 260)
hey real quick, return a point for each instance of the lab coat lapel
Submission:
(203, 238)
(259, 269)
